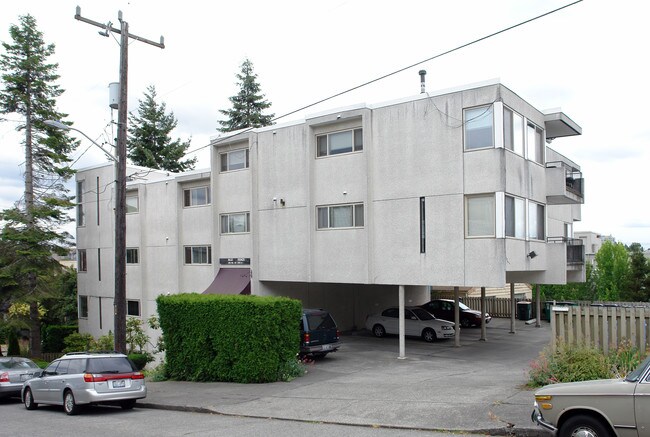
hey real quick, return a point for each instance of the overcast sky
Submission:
(589, 59)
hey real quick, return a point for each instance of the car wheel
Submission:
(429, 335)
(69, 405)
(379, 331)
(465, 323)
(127, 404)
(583, 426)
(29, 400)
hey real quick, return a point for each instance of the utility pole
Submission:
(120, 184)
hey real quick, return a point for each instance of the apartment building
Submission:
(341, 210)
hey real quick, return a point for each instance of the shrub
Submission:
(624, 359)
(78, 342)
(13, 348)
(103, 343)
(54, 337)
(140, 359)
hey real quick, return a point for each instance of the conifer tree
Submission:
(247, 105)
(149, 143)
(31, 229)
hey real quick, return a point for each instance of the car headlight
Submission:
(446, 328)
(543, 401)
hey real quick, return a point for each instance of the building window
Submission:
(83, 307)
(235, 223)
(515, 217)
(196, 196)
(535, 144)
(339, 142)
(133, 308)
(234, 160)
(480, 216)
(80, 206)
(536, 221)
(132, 203)
(513, 131)
(423, 227)
(82, 261)
(479, 123)
(340, 216)
(198, 255)
(132, 255)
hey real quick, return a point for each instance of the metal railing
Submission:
(573, 177)
(575, 249)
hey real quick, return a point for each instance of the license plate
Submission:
(119, 383)
(327, 347)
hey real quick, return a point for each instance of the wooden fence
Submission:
(604, 327)
(494, 306)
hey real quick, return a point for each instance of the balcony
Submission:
(564, 184)
(575, 249)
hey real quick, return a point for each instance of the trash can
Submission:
(524, 310)
(546, 312)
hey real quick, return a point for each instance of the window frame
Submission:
(82, 312)
(227, 217)
(188, 198)
(129, 208)
(538, 146)
(81, 214)
(356, 144)
(468, 199)
(190, 250)
(82, 261)
(357, 214)
(467, 122)
(536, 216)
(137, 255)
(522, 229)
(128, 309)
(509, 131)
(226, 155)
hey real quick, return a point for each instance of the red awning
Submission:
(231, 281)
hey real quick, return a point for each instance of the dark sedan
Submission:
(444, 309)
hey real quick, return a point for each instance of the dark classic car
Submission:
(444, 309)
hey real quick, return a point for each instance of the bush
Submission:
(140, 359)
(77, 342)
(54, 337)
(580, 363)
(13, 348)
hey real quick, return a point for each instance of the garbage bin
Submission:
(546, 312)
(524, 310)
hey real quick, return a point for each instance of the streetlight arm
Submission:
(58, 125)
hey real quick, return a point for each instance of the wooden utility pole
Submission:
(120, 184)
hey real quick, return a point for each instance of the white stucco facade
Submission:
(341, 209)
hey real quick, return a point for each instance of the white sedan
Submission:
(417, 322)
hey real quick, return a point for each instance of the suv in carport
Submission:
(319, 334)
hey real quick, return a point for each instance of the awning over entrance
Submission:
(231, 281)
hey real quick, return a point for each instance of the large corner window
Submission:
(80, 205)
(340, 216)
(479, 127)
(234, 160)
(339, 142)
(83, 307)
(82, 261)
(480, 215)
(238, 223)
(196, 196)
(515, 217)
(534, 136)
(536, 221)
(198, 254)
(513, 131)
(132, 203)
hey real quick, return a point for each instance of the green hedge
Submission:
(229, 338)
(54, 336)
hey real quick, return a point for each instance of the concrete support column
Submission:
(402, 342)
(457, 317)
(483, 325)
(538, 307)
(513, 307)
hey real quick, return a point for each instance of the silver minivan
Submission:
(83, 378)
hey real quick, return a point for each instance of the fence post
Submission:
(605, 331)
(552, 316)
(587, 325)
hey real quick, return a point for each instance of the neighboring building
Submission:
(592, 243)
(68, 260)
(339, 210)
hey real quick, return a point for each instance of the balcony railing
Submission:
(575, 249)
(573, 177)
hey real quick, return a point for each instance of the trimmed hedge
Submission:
(230, 338)
(54, 336)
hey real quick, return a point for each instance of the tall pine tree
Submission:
(31, 231)
(247, 105)
(149, 143)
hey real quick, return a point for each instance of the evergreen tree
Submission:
(639, 283)
(149, 143)
(30, 231)
(247, 105)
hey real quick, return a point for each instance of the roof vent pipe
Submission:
(422, 74)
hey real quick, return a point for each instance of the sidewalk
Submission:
(477, 388)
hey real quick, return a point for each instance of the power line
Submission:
(462, 46)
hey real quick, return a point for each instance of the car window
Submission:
(408, 315)
(391, 312)
(76, 366)
(435, 305)
(109, 365)
(462, 306)
(447, 306)
(63, 367)
(318, 321)
(638, 372)
(422, 314)
(51, 369)
(17, 364)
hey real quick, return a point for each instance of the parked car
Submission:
(599, 408)
(444, 309)
(82, 378)
(417, 323)
(319, 334)
(13, 372)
